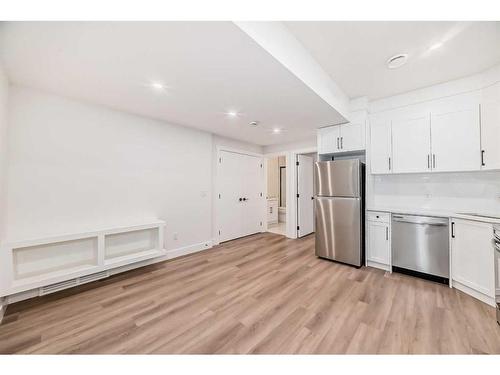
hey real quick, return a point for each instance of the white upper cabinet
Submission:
(490, 128)
(352, 136)
(343, 138)
(411, 144)
(456, 140)
(439, 136)
(329, 140)
(381, 146)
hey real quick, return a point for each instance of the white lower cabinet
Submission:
(378, 240)
(272, 211)
(472, 259)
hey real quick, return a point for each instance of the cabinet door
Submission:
(379, 249)
(329, 140)
(381, 147)
(411, 144)
(490, 135)
(472, 256)
(352, 136)
(455, 140)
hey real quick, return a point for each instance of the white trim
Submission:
(474, 293)
(236, 151)
(381, 266)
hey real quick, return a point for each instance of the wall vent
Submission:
(52, 288)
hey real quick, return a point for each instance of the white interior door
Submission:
(305, 191)
(253, 194)
(230, 212)
(241, 201)
(411, 144)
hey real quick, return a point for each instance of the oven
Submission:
(496, 248)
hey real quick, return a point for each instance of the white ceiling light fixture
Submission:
(157, 86)
(254, 123)
(435, 46)
(232, 114)
(397, 61)
(276, 131)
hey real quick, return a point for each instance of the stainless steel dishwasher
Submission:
(420, 246)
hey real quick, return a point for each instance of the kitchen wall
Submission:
(470, 191)
(75, 166)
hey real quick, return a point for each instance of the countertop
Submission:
(484, 216)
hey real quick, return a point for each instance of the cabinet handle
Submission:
(271, 209)
(452, 229)
(342, 142)
(240, 199)
(338, 143)
(482, 158)
(428, 161)
(387, 233)
(389, 163)
(433, 160)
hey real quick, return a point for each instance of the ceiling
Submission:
(354, 54)
(209, 68)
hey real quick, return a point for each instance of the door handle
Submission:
(240, 199)
(452, 229)
(482, 158)
(246, 199)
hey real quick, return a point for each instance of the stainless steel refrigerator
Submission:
(339, 211)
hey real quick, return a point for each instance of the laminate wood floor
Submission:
(259, 294)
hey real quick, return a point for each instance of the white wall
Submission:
(4, 90)
(74, 166)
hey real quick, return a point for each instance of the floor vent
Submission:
(93, 277)
(73, 282)
(58, 286)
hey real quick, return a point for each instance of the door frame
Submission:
(216, 184)
(291, 186)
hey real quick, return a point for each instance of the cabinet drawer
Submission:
(380, 217)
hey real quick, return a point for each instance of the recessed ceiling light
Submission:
(397, 61)
(232, 114)
(435, 46)
(254, 123)
(158, 86)
(276, 130)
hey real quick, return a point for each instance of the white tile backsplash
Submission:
(474, 191)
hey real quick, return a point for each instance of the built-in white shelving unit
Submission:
(74, 258)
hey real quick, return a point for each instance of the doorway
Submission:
(276, 194)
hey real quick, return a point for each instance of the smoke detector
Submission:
(254, 123)
(397, 61)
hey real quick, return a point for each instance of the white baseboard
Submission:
(170, 254)
(474, 293)
(385, 267)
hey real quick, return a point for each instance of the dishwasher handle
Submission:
(420, 220)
